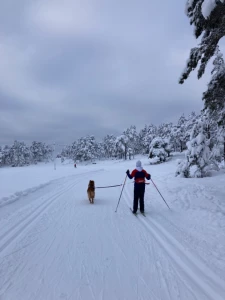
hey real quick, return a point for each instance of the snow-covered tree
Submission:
(36, 152)
(192, 119)
(99, 150)
(181, 132)
(164, 130)
(132, 140)
(121, 146)
(72, 151)
(6, 161)
(40, 152)
(19, 154)
(208, 18)
(168, 146)
(214, 97)
(158, 151)
(197, 155)
(1, 156)
(109, 146)
(146, 135)
(86, 149)
(67, 152)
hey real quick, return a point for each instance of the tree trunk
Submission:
(125, 154)
(208, 132)
(224, 148)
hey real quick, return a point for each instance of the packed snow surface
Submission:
(55, 245)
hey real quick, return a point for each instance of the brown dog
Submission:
(91, 191)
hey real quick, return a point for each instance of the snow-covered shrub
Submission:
(168, 146)
(157, 150)
(222, 165)
(182, 169)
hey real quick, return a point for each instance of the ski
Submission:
(143, 214)
(133, 213)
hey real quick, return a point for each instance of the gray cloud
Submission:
(71, 68)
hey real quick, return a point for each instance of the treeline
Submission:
(20, 154)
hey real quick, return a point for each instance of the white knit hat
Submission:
(139, 166)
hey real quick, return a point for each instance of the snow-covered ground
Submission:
(55, 245)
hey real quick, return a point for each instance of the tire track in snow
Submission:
(13, 233)
(197, 272)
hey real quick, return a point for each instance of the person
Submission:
(75, 165)
(139, 175)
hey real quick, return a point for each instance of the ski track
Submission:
(16, 230)
(201, 239)
(60, 247)
(209, 285)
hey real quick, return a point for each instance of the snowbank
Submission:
(20, 181)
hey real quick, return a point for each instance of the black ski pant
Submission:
(139, 192)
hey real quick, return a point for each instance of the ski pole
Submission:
(109, 186)
(160, 194)
(121, 193)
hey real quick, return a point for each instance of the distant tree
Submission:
(1, 156)
(146, 135)
(164, 130)
(132, 140)
(109, 146)
(158, 151)
(181, 125)
(121, 146)
(86, 148)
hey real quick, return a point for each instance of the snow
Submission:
(207, 7)
(55, 245)
(18, 182)
(189, 3)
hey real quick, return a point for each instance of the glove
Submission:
(127, 172)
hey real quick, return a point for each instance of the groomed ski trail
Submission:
(190, 267)
(58, 246)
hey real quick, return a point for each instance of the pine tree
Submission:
(164, 130)
(6, 160)
(192, 119)
(197, 155)
(214, 97)
(1, 156)
(132, 138)
(158, 151)
(121, 145)
(181, 124)
(109, 146)
(209, 22)
(85, 149)
(145, 137)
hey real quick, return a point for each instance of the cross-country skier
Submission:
(139, 175)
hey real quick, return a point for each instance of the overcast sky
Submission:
(71, 68)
